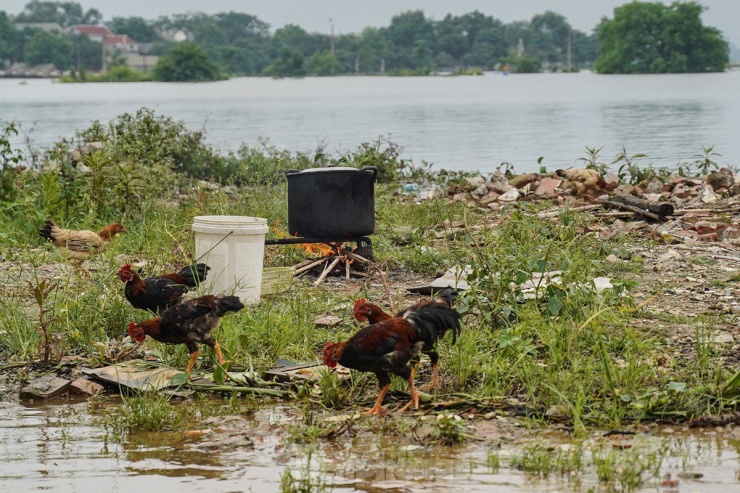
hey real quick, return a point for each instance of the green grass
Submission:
(564, 345)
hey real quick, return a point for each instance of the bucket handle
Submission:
(371, 168)
(214, 246)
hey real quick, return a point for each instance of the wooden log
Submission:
(311, 265)
(357, 257)
(304, 263)
(636, 210)
(327, 271)
(569, 209)
(661, 208)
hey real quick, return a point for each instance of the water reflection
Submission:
(65, 447)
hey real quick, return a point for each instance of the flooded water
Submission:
(64, 447)
(453, 122)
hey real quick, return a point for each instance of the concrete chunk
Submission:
(83, 386)
(45, 387)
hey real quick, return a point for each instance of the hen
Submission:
(582, 179)
(431, 319)
(157, 293)
(190, 322)
(79, 245)
(382, 348)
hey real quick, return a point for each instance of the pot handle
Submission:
(371, 168)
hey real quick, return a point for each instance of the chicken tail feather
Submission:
(46, 231)
(194, 274)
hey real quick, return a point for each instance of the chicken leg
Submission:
(378, 408)
(219, 355)
(193, 357)
(414, 395)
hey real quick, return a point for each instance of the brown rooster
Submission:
(157, 293)
(429, 333)
(382, 348)
(79, 245)
(583, 180)
(189, 323)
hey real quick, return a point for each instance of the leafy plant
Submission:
(630, 168)
(41, 291)
(9, 159)
(592, 160)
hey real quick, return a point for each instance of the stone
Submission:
(436, 193)
(498, 182)
(708, 196)
(491, 197)
(327, 321)
(669, 256)
(720, 179)
(510, 196)
(547, 186)
(523, 180)
(724, 338)
(45, 387)
(83, 386)
(475, 181)
(653, 186)
(481, 191)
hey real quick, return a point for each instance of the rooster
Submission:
(158, 293)
(190, 322)
(431, 320)
(79, 245)
(583, 179)
(382, 348)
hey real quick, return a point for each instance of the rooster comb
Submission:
(360, 302)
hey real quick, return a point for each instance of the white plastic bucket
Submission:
(234, 247)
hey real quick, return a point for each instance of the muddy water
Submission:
(64, 447)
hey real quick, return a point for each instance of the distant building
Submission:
(46, 70)
(140, 62)
(51, 27)
(175, 35)
(120, 42)
(95, 33)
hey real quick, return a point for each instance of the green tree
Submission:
(136, 28)
(49, 47)
(290, 63)
(653, 38)
(410, 36)
(235, 40)
(372, 50)
(187, 62)
(63, 13)
(89, 52)
(323, 63)
(9, 39)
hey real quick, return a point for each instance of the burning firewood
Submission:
(337, 258)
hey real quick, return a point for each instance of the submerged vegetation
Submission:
(566, 353)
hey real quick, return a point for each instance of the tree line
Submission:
(642, 37)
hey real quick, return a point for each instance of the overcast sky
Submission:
(351, 16)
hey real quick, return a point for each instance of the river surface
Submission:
(63, 446)
(472, 123)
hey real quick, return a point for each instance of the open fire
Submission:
(333, 257)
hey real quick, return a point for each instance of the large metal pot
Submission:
(331, 202)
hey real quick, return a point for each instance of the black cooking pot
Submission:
(331, 202)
